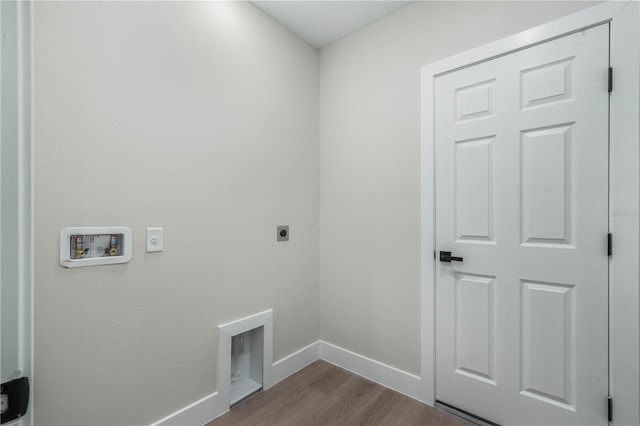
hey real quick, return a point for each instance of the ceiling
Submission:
(321, 22)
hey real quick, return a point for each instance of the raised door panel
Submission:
(546, 84)
(547, 187)
(474, 327)
(475, 101)
(474, 190)
(548, 343)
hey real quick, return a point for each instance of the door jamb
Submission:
(24, 182)
(624, 213)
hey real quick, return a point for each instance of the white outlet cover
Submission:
(154, 240)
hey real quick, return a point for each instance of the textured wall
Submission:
(370, 165)
(197, 117)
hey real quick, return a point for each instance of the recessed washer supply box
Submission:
(89, 246)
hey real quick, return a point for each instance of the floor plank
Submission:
(323, 394)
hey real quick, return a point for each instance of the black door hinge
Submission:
(610, 408)
(609, 244)
(610, 79)
(15, 399)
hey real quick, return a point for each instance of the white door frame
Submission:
(624, 296)
(24, 186)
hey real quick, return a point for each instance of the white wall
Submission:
(198, 117)
(370, 166)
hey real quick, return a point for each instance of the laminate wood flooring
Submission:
(323, 394)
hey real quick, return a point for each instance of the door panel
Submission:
(548, 333)
(474, 327)
(545, 156)
(521, 148)
(474, 190)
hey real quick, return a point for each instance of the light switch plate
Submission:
(154, 240)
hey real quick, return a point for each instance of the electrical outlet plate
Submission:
(282, 233)
(154, 240)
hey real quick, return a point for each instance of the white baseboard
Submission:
(196, 414)
(385, 375)
(295, 362)
(213, 406)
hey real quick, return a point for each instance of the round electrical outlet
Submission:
(154, 240)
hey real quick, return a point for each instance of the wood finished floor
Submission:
(323, 394)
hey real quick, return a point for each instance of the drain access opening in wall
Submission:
(246, 365)
(245, 357)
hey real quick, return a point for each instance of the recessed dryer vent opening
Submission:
(245, 357)
(246, 364)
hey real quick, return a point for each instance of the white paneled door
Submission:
(521, 149)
